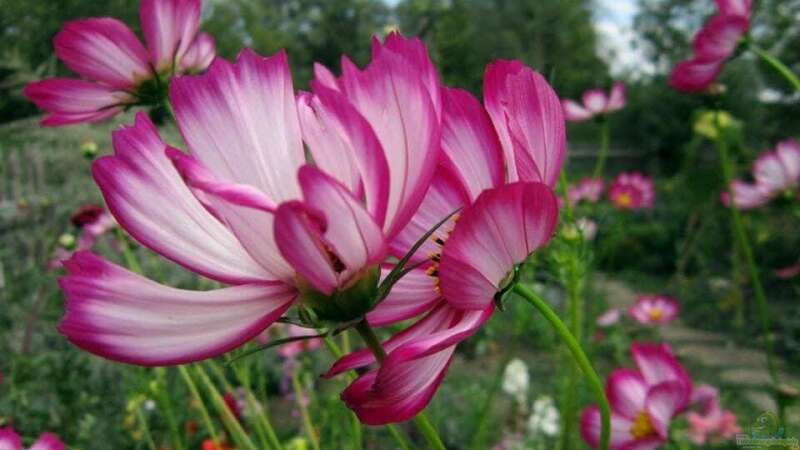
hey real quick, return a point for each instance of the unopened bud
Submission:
(67, 240)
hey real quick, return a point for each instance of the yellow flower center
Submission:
(624, 199)
(642, 426)
(656, 314)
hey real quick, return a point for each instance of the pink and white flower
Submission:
(499, 163)
(713, 45)
(654, 309)
(244, 208)
(609, 318)
(10, 440)
(774, 173)
(643, 401)
(596, 103)
(589, 189)
(632, 191)
(114, 65)
(93, 221)
(710, 423)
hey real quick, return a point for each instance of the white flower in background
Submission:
(588, 228)
(516, 380)
(544, 419)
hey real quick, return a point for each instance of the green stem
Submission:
(357, 435)
(779, 67)
(145, 428)
(307, 423)
(169, 412)
(577, 352)
(604, 145)
(232, 424)
(212, 430)
(747, 252)
(575, 309)
(423, 424)
(262, 415)
(127, 252)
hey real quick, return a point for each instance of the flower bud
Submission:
(67, 240)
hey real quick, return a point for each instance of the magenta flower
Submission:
(589, 189)
(251, 213)
(713, 46)
(10, 440)
(116, 69)
(632, 191)
(654, 310)
(710, 423)
(595, 104)
(499, 164)
(774, 173)
(93, 221)
(643, 401)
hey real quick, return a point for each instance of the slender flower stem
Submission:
(577, 352)
(747, 252)
(233, 425)
(357, 434)
(779, 67)
(423, 424)
(145, 428)
(127, 252)
(212, 430)
(261, 413)
(604, 145)
(575, 311)
(307, 423)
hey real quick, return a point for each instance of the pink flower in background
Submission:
(589, 189)
(788, 272)
(10, 440)
(595, 103)
(243, 207)
(632, 191)
(609, 318)
(710, 423)
(654, 310)
(774, 172)
(499, 163)
(93, 221)
(115, 66)
(643, 401)
(713, 45)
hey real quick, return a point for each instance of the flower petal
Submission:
(616, 100)
(416, 363)
(139, 180)
(746, 195)
(770, 172)
(498, 231)
(169, 28)
(527, 115)
(240, 121)
(48, 441)
(664, 401)
(200, 54)
(575, 112)
(595, 100)
(122, 316)
(394, 98)
(247, 212)
(657, 364)
(469, 142)
(414, 294)
(788, 152)
(105, 50)
(626, 391)
(735, 7)
(591, 425)
(344, 146)
(695, 75)
(68, 101)
(9, 439)
(718, 39)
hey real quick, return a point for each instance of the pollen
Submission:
(656, 314)
(642, 426)
(624, 199)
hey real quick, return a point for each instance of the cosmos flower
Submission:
(588, 189)
(116, 69)
(710, 423)
(244, 208)
(643, 401)
(609, 318)
(10, 440)
(654, 310)
(499, 163)
(713, 45)
(774, 173)
(92, 221)
(596, 103)
(632, 191)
